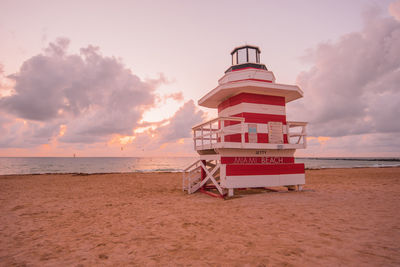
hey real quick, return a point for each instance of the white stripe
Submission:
(256, 153)
(264, 180)
(261, 128)
(252, 108)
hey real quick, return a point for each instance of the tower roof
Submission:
(229, 89)
(246, 46)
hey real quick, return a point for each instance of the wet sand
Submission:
(346, 217)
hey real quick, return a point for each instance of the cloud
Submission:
(94, 96)
(353, 86)
(74, 100)
(394, 9)
(6, 84)
(181, 123)
(170, 135)
(20, 133)
(368, 145)
(175, 96)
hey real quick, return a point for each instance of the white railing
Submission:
(191, 176)
(297, 130)
(211, 134)
(214, 131)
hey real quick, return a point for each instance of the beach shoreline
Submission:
(93, 165)
(177, 171)
(345, 217)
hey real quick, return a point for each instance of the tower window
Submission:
(242, 56)
(252, 55)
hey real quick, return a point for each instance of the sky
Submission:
(122, 78)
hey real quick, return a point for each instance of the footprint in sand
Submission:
(103, 256)
(17, 207)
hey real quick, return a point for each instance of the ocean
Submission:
(37, 165)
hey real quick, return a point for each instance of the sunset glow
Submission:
(131, 88)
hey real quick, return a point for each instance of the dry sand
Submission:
(346, 218)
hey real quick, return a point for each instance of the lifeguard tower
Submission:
(250, 144)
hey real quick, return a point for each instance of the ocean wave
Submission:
(128, 165)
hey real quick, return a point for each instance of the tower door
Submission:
(252, 133)
(275, 132)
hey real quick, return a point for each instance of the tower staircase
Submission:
(203, 176)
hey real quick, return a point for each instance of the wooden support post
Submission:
(300, 187)
(183, 181)
(230, 192)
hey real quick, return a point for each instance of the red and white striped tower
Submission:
(250, 144)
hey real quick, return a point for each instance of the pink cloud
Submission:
(85, 103)
(352, 92)
(394, 9)
(94, 96)
(353, 86)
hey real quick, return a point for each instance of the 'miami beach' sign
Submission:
(256, 160)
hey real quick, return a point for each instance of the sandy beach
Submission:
(346, 217)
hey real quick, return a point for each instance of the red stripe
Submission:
(252, 98)
(257, 80)
(262, 138)
(234, 138)
(261, 118)
(257, 118)
(228, 123)
(285, 139)
(259, 169)
(256, 160)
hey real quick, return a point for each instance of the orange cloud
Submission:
(394, 9)
(121, 140)
(63, 129)
(323, 139)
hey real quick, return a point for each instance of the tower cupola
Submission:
(247, 56)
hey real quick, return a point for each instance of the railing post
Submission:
(222, 130)
(211, 134)
(194, 139)
(202, 138)
(242, 133)
(288, 132)
(300, 136)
